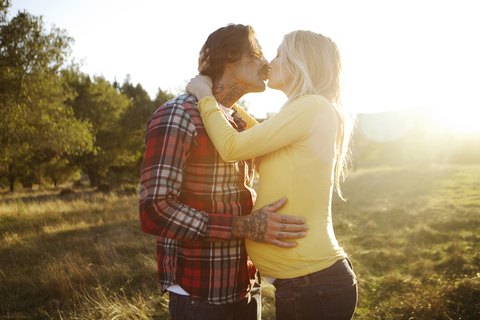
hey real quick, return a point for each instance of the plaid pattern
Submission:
(190, 195)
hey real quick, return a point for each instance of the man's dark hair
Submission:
(227, 44)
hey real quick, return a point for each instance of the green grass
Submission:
(412, 235)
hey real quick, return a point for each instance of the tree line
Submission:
(55, 120)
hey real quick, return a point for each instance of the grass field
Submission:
(412, 235)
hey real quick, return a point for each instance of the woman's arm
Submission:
(251, 121)
(293, 123)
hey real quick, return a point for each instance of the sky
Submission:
(396, 54)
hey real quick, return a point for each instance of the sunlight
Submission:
(460, 120)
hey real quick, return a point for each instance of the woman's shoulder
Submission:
(313, 102)
(316, 98)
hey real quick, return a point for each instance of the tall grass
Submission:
(77, 258)
(412, 236)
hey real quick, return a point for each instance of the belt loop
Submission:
(306, 278)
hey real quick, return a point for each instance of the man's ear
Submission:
(230, 58)
(228, 66)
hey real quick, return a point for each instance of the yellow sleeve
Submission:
(251, 121)
(294, 122)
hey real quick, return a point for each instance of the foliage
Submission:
(118, 117)
(35, 124)
(100, 104)
(51, 113)
(133, 126)
(4, 5)
(59, 171)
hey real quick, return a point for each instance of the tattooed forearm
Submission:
(252, 227)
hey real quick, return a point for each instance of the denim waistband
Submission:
(342, 267)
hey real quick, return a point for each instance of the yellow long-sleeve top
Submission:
(297, 150)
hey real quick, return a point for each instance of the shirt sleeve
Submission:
(294, 122)
(171, 138)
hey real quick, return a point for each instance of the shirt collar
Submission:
(228, 112)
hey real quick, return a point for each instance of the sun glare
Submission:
(461, 120)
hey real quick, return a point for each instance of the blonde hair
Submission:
(315, 64)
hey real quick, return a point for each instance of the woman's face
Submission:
(279, 77)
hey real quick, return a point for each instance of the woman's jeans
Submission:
(327, 294)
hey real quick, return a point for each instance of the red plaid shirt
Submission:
(189, 196)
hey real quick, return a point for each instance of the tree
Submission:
(59, 170)
(4, 5)
(100, 104)
(161, 98)
(133, 124)
(35, 124)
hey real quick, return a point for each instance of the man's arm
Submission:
(171, 137)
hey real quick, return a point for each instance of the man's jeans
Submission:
(189, 308)
(327, 294)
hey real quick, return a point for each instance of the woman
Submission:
(302, 152)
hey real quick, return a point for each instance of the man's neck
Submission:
(227, 91)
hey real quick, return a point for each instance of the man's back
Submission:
(192, 195)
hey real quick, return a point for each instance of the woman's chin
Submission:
(270, 85)
(273, 86)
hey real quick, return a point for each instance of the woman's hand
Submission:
(200, 87)
(202, 59)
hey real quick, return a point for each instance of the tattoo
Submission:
(253, 226)
(218, 87)
(280, 234)
(234, 94)
(276, 242)
(283, 226)
(284, 218)
(227, 94)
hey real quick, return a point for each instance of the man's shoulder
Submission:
(179, 110)
(185, 103)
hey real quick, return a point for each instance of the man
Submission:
(198, 205)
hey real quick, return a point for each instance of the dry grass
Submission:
(412, 235)
(77, 257)
(413, 238)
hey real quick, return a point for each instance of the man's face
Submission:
(251, 71)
